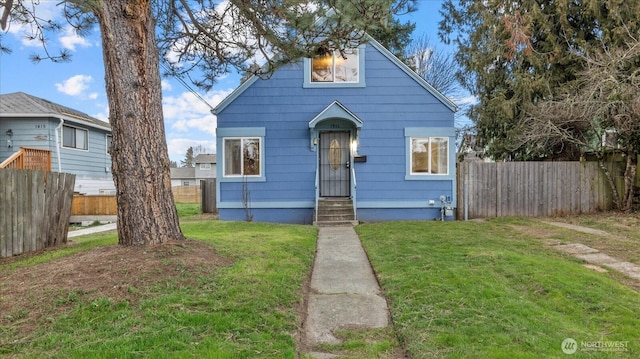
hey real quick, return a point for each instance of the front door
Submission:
(334, 164)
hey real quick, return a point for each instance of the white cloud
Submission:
(70, 39)
(104, 111)
(75, 85)
(187, 112)
(166, 86)
(178, 147)
(190, 123)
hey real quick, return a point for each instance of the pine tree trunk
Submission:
(146, 209)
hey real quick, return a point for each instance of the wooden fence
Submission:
(29, 159)
(105, 205)
(531, 189)
(35, 207)
(87, 205)
(208, 200)
(186, 194)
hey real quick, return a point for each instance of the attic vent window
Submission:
(336, 67)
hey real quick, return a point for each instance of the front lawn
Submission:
(233, 290)
(488, 290)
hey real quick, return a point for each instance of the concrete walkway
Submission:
(592, 255)
(344, 291)
(91, 230)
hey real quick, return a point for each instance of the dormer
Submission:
(335, 69)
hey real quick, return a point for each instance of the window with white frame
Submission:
(109, 139)
(429, 155)
(336, 67)
(242, 156)
(205, 166)
(74, 137)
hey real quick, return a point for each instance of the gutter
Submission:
(58, 143)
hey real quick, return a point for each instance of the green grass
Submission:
(456, 290)
(485, 290)
(188, 210)
(248, 309)
(75, 245)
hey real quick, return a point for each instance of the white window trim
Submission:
(76, 129)
(429, 156)
(205, 166)
(224, 158)
(252, 132)
(361, 74)
(106, 140)
(422, 132)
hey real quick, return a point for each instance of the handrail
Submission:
(315, 212)
(30, 159)
(353, 193)
(13, 161)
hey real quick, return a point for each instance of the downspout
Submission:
(58, 143)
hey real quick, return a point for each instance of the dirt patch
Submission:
(27, 295)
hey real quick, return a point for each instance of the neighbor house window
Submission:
(205, 166)
(74, 137)
(109, 141)
(430, 155)
(336, 67)
(242, 156)
(185, 183)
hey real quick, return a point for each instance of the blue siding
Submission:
(391, 102)
(41, 133)
(27, 132)
(94, 162)
(278, 215)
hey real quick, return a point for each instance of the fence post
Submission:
(208, 195)
(36, 208)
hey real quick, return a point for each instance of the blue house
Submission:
(77, 142)
(356, 136)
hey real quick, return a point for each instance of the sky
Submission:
(79, 84)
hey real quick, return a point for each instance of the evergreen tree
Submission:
(513, 54)
(188, 158)
(396, 36)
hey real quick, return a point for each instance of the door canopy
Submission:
(335, 113)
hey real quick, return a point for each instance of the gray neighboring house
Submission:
(205, 167)
(77, 141)
(183, 176)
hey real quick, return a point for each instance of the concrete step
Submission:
(335, 212)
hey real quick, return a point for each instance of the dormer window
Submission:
(336, 67)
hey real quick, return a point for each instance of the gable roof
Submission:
(20, 104)
(335, 110)
(183, 173)
(205, 158)
(370, 41)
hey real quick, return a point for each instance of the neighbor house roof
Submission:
(20, 104)
(370, 41)
(205, 158)
(183, 173)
